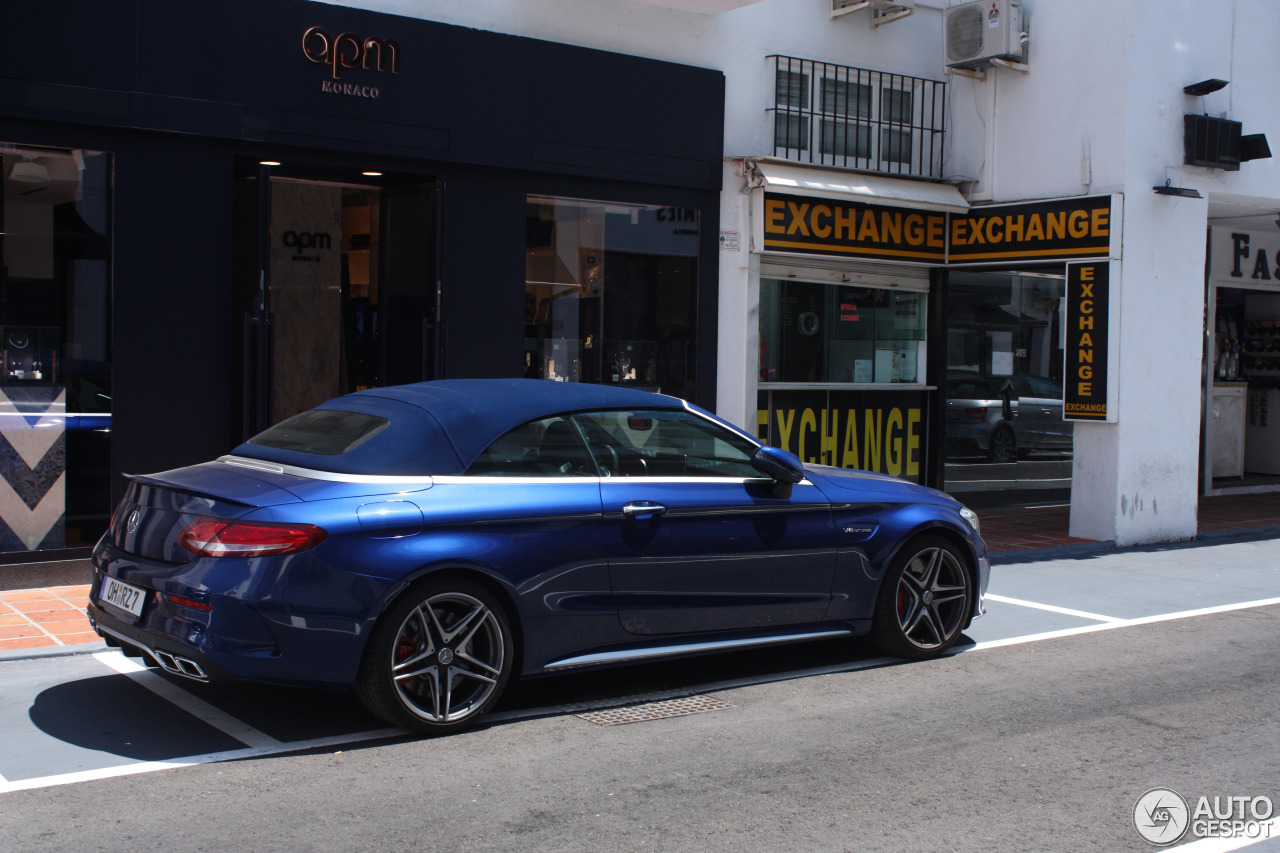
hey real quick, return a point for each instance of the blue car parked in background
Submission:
(424, 544)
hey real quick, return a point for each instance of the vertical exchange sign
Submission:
(1084, 380)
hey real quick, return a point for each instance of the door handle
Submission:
(642, 509)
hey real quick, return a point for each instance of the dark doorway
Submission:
(338, 290)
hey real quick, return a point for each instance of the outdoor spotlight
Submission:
(1204, 87)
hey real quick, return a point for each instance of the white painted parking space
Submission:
(194, 706)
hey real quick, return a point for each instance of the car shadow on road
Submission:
(114, 714)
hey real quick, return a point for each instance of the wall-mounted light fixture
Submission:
(1204, 87)
(1169, 189)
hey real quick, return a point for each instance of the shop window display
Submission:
(824, 333)
(610, 293)
(55, 297)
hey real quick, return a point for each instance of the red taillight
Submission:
(216, 537)
(187, 602)
(977, 414)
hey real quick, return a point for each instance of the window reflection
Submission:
(610, 293)
(55, 395)
(1006, 441)
(813, 332)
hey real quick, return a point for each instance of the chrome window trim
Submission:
(331, 476)
(460, 479)
(688, 407)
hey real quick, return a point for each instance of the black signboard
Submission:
(1056, 230)
(1085, 378)
(822, 226)
(1044, 230)
(873, 430)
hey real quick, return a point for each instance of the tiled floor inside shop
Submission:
(54, 616)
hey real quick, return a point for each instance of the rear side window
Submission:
(322, 431)
(547, 448)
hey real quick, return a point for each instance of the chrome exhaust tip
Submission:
(179, 665)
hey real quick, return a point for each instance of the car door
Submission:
(697, 539)
(529, 507)
(1046, 397)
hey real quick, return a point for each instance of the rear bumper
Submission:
(172, 657)
(304, 625)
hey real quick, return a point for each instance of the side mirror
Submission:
(780, 466)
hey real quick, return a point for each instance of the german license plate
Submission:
(122, 595)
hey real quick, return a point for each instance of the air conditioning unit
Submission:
(976, 33)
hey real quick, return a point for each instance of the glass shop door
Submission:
(340, 293)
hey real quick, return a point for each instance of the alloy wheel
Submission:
(932, 598)
(448, 658)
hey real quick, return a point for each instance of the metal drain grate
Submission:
(654, 711)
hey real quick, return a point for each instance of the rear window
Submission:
(322, 431)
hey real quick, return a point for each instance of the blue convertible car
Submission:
(424, 544)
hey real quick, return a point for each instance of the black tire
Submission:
(925, 600)
(438, 659)
(1004, 444)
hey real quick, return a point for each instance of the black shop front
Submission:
(216, 214)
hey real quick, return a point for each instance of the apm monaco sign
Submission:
(348, 50)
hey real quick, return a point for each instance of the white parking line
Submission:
(1124, 623)
(1268, 830)
(196, 707)
(1066, 611)
(191, 761)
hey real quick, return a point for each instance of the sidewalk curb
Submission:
(53, 651)
(1084, 550)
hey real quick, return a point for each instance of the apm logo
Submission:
(347, 50)
(307, 240)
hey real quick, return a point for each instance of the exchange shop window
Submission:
(55, 298)
(825, 333)
(610, 293)
(1004, 437)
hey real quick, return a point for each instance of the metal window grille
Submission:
(861, 119)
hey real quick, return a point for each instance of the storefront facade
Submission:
(1242, 363)
(266, 204)
(917, 336)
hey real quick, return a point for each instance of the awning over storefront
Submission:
(854, 186)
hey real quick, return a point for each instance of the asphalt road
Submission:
(1080, 694)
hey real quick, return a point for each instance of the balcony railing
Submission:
(835, 115)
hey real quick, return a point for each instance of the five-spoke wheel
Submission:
(438, 659)
(1004, 445)
(925, 600)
